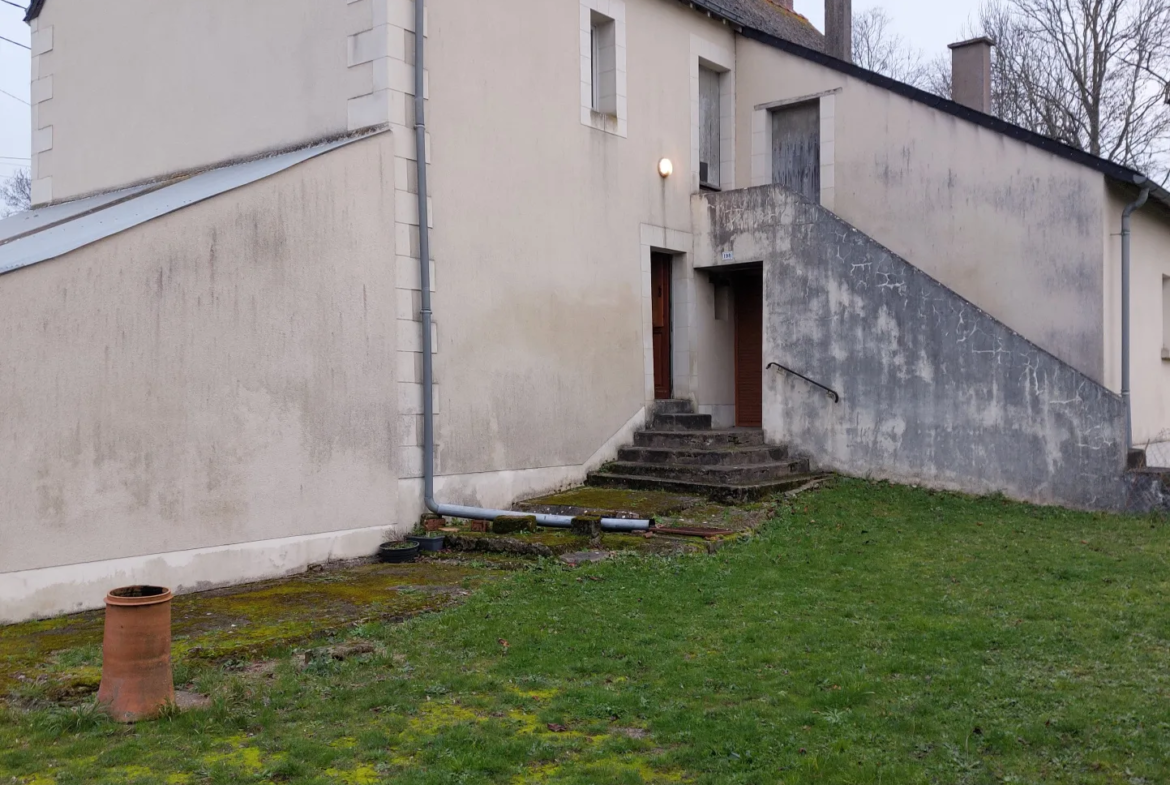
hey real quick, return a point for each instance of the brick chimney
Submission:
(839, 29)
(971, 73)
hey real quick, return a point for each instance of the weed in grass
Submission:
(57, 722)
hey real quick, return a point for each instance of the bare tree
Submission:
(16, 192)
(877, 47)
(1090, 73)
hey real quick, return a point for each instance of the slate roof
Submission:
(34, 10)
(769, 17)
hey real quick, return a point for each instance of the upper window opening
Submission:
(710, 135)
(1165, 317)
(603, 45)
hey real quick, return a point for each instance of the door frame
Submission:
(679, 245)
(736, 281)
(662, 264)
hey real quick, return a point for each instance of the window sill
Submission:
(708, 187)
(601, 121)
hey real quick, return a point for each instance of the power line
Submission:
(14, 5)
(18, 43)
(17, 97)
(13, 158)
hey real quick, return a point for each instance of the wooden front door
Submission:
(660, 279)
(749, 350)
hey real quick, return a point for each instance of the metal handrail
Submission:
(832, 393)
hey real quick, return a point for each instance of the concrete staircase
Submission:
(680, 452)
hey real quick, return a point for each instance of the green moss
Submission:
(59, 659)
(648, 503)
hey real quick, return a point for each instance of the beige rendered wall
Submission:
(1150, 260)
(542, 232)
(215, 376)
(1013, 229)
(128, 90)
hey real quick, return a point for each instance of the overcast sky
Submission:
(928, 25)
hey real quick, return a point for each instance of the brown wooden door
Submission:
(749, 350)
(660, 268)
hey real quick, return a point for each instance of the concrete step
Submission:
(717, 475)
(673, 407)
(681, 422)
(726, 494)
(728, 456)
(700, 440)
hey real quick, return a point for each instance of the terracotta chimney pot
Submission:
(136, 653)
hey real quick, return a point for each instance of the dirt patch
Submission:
(185, 700)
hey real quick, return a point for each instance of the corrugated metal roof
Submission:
(40, 235)
(41, 217)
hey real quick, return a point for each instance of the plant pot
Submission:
(136, 653)
(426, 542)
(397, 552)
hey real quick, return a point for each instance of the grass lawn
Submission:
(868, 634)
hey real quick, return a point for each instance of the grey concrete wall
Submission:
(933, 389)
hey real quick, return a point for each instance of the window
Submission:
(796, 149)
(710, 135)
(1165, 317)
(603, 65)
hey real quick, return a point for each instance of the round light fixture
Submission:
(665, 167)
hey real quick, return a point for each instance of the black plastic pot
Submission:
(427, 543)
(395, 553)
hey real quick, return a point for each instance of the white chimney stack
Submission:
(839, 29)
(971, 73)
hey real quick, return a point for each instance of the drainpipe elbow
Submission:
(1130, 209)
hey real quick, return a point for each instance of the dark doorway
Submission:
(660, 282)
(796, 149)
(749, 349)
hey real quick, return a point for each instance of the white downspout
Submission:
(424, 244)
(1125, 277)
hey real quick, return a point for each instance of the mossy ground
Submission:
(651, 504)
(867, 634)
(60, 658)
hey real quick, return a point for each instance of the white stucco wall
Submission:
(543, 226)
(1149, 373)
(128, 90)
(1009, 227)
(215, 377)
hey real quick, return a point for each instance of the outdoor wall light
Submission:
(665, 168)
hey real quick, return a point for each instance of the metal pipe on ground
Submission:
(424, 243)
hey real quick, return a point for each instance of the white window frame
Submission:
(599, 109)
(762, 142)
(709, 55)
